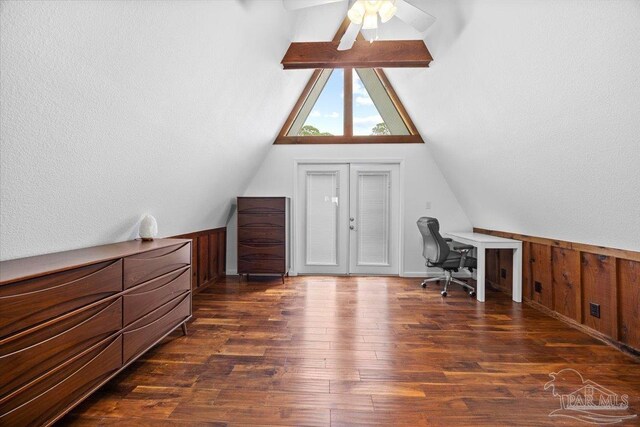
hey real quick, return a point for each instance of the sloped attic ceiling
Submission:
(114, 109)
(110, 110)
(532, 111)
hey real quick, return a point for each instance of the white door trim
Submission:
(294, 235)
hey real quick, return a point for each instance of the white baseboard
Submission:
(464, 274)
(416, 274)
(420, 274)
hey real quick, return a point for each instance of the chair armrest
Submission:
(464, 250)
(462, 247)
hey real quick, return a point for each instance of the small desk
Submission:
(484, 241)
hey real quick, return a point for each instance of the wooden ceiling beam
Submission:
(379, 54)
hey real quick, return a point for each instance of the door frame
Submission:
(295, 238)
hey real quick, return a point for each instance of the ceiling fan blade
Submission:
(417, 18)
(349, 37)
(301, 4)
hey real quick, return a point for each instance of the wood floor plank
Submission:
(388, 388)
(318, 351)
(306, 372)
(377, 418)
(321, 400)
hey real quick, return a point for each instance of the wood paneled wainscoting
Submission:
(209, 256)
(592, 287)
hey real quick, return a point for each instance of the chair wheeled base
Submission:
(448, 278)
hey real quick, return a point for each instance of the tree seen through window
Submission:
(350, 104)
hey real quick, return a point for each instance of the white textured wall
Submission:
(532, 111)
(108, 110)
(113, 109)
(423, 182)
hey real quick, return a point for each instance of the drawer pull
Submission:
(161, 283)
(79, 325)
(154, 326)
(147, 266)
(48, 402)
(159, 318)
(32, 294)
(29, 303)
(154, 294)
(161, 253)
(34, 354)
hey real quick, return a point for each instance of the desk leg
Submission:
(517, 274)
(480, 276)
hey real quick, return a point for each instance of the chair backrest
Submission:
(434, 248)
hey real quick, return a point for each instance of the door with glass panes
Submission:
(347, 219)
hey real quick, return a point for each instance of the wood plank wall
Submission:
(565, 278)
(208, 256)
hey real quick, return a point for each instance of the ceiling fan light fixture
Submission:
(365, 12)
(357, 12)
(372, 5)
(370, 21)
(387, 10)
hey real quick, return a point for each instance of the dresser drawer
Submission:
(149, 265)
(261, 204)
(145, 298)
(249, 252)
(261, 220)
(46, 399)
(27, 303)
(147, 330)
(269, 266)
(254, 235)
(33, 354)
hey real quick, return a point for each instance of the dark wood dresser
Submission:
(72, 320)
(263, 235)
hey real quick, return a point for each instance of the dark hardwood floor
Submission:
(345, 351)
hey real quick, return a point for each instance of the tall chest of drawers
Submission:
(263, 235)
(70, 321)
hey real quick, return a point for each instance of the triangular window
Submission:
(323, 111)
(373, 109)
(346, 105)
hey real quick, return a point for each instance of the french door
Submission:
(373, 218)
(347, 219)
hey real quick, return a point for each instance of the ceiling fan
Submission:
(364, 14)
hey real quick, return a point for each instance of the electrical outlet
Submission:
(594, 309)
(427, 205)
(537, 287)
(503, 273)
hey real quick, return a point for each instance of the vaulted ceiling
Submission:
(532, 112)
(530, 108)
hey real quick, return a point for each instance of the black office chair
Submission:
(437, 252)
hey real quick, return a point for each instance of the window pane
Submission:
(373, 110)
(322, 218)
(373, 218)
(323, 110)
